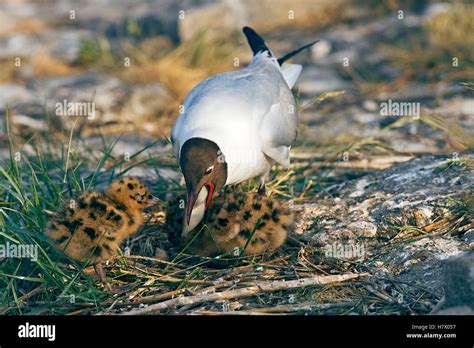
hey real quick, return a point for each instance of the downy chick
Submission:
(251, 222)
(94, 225)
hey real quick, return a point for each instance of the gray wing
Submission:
(279, 126)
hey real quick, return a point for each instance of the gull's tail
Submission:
(294, 52)
(258, 45)
(256, 42)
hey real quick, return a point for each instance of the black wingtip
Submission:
(256, 42)
(295, 52)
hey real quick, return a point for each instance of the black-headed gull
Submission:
(234, 126)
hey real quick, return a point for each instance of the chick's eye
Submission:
(209, 170)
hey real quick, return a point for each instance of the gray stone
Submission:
(469, 237)
(107, 93)
(67, 44)
(147, 100)
(459, 280)
(435, 9)
(363, 229)
(316, 80)
(7, 22)
(406, 194)
(460, 310)
(19, 45)
(12, 95)
(226, 16)
(29, 122)
(321, 50)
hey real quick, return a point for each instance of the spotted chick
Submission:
(251, 222)
(93, 226)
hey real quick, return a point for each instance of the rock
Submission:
(459, 280)
(422, 262)
(20, 45)
(25, 121)
(440, 248)
(372, 212)
(105, 99)
(469, 238)
(346, 56)
(316, 80)
(11, 95)
(67, 44)
(348, 121)
(422, 216)
(226, 16)
(460, 310)
(435, 9)
(363, 229)
(113, 19)
(417, 91)
(359, 188)
(371, 105)
(105, 94)
(378, 264)
(147, 100)
(64, 44)
(320, 50)
(6, 22)
(456, 106)
(391, 197)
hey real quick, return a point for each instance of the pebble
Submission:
(363, 229)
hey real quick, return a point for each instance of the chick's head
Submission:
(131, 192)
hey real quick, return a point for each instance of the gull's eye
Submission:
(209, 170)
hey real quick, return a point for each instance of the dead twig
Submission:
(259, 287)
(299, 307)
(247, 312)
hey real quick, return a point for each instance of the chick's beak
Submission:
(152, 201)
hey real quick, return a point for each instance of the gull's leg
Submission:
(261, 187)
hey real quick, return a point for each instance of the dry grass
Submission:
(182, 68)
(8, 71)
(188, 64)
(30, 25)
(310, 15)
(457, 137)
(45, 66)
(450, 30)
(267, 16)
(431, 52)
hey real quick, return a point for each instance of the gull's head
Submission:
(204, 167)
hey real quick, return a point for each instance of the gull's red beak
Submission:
(192, 196)
(190, 205)
(210, 192)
